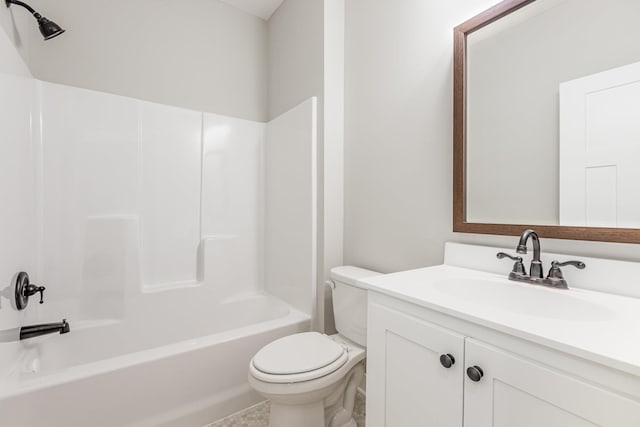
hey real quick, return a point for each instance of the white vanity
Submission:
(460, 345)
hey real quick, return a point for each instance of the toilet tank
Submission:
(350, 302)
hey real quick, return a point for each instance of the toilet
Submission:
(310, 378)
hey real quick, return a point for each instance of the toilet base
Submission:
(340, 414)
(311, 414)
(335, 410)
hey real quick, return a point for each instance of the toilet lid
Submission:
(298, 353)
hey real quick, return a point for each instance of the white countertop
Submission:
(596, 326)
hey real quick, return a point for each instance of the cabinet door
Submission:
(515, 392)
(407, 386)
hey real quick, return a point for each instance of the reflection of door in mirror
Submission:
(600, 149)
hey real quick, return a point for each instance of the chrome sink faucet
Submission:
(554, 279)
(535, 270)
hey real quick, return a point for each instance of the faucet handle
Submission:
(555, 277)
(518, 266)
(556, 273)
(577, 264)
(31, 290)
(41, 289)
(501, 255)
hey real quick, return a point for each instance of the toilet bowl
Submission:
(310, 389)
(310, 378)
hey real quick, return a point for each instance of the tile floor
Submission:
(254, 416)
(258, 415)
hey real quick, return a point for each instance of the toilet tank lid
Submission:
(350, 275)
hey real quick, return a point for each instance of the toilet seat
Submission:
(297, 358)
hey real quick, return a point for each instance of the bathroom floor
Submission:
(258, 415)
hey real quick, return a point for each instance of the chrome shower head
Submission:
(48, 29)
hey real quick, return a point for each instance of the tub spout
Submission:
(44, 329)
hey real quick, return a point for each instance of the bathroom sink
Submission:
(524, 299)
(593, 319)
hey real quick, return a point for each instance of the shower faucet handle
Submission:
(518, 266)
(25, 289)
(37, 289)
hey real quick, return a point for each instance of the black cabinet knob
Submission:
(474, 373)
(447, 360)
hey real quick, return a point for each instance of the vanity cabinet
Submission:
(408, 386)
(516, 392)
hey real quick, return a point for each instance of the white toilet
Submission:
(311, 379)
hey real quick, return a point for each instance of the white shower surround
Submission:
(150, 223)
(164, 180)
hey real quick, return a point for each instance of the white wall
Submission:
(112, 197)
(18, 216)
(199, 54)
(233, 204)
(96, 214)
(89, 168)
(183, 191)
(290, 212)
(398, 137)
(306, 43)
(333, 156)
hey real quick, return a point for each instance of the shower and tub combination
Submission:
(174, 243)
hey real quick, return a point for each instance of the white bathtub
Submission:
(154, 367)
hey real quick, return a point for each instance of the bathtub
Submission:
(154, 366)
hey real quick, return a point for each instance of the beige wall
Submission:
(198, 54)
(10, 60)
(398, 137)
(13, 45)
(295, 54)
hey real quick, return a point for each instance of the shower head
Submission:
(49, 29)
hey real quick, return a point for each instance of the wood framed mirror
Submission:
(547, 120)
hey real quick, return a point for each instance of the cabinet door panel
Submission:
(406, 384)
(515, 392)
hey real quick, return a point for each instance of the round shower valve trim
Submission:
(24, 290)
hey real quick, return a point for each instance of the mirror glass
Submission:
(553, 116)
